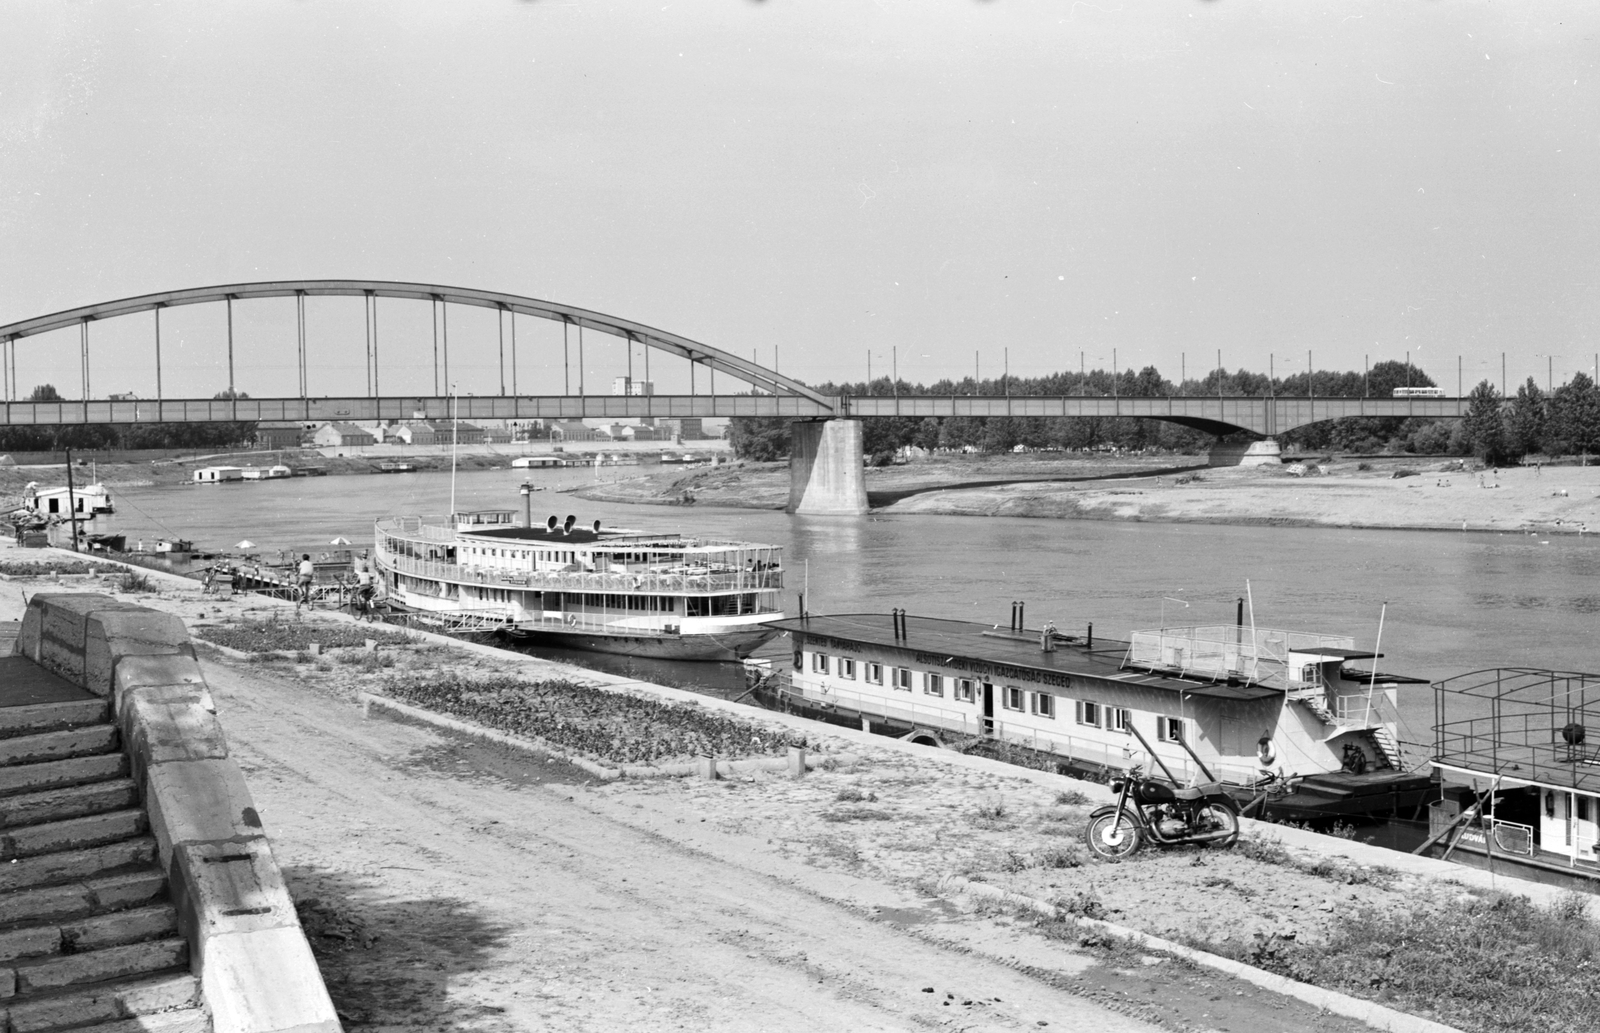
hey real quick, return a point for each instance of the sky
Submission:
(938, 186)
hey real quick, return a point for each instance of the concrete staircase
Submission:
(89, 940)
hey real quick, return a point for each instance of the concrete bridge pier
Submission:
(825, 467)
(1245, 453)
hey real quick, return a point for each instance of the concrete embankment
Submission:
(159, 862)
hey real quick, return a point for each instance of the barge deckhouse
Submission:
(648, 595)
(1517, 750)
(1278, 717)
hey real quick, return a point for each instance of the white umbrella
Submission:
(341, 540)
(246, 544)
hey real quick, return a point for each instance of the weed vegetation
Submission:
(36, 568)
(607, 726)
(253, 636)
(1496, 965)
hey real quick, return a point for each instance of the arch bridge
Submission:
(826, 467)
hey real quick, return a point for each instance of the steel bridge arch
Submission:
(703, 354)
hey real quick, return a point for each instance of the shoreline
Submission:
(1369, 495)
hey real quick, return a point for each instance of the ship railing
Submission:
(610, 624)
(1259, 655)
(908, 711)
(643, 583)
(1530, 746)
(1373, 709)
(1509, 836)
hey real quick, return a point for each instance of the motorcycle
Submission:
(1154, 810)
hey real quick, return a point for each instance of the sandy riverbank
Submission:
(1442, 496)
(461, 885)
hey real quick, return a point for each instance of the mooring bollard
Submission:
(314, 648)
(866, 724)
(708, 768)
(372, 645)
(797, 761)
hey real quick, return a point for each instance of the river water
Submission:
(1457, 602)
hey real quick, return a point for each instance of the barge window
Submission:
(874, 674)
(1044, 704)
(847, 668)
(1170, 729)
(819, 663)
(799, 664)
(933, 684)
(964, 691)
(902, 679)
(1088, 713)
(1011, 698)
(1119, 719)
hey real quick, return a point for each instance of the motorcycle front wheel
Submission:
(1218, 818)
(1111, 837)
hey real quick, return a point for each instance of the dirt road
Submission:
(447, 886)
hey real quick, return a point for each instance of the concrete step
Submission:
(188, 1020)
(92, 933)
(51, 717)
(28, 778)
(75, 742)
(76, 899)
(72, 834)
(77, 801)
(77, 865)
(84, 1005)
(127, 961)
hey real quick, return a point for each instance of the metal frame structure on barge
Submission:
(1517, 751)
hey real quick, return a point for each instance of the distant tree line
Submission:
(92, 436)
(1566, 421)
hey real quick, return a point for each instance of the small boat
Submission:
(85, 500)
(535, 462)
(174, 545)
(267, 473)
(393, 466)
(668, 596)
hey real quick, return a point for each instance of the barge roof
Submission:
(968, 640)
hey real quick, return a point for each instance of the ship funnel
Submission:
(566, 528)
(550, 525)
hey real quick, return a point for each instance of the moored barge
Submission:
(1517, 751)
(1278, 717)
(667, 596)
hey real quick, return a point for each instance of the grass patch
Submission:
(135, 581)
(35, 568)
(1071, 798)
(253, 636)
(991, 811)
(608, 726)
(1498, 965)
(857, 814)
(1071, 855)
(850, 794)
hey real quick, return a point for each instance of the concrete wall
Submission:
(246, 945)
(825, 467)
(1246, 453)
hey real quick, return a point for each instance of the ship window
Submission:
(1119, 719)
(847, 668)
(1011, 698)
(1088, 713)
(1044, 704)
(1583, 808)
(819, 662)
(902, 679)
(933, 684)
(964, 690)
(874, 674)
(1170, 729)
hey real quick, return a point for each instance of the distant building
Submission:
(342, 435)
(573, 431)
(283, 433)
(688, 428)
(438, 432)
(630, 386)
(123, 396)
